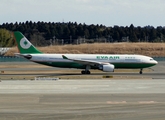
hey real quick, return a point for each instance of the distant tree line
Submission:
(46, 33)
(6, 39)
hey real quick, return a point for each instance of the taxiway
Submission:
(142, 98)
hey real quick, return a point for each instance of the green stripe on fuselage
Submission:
(63, 64)
(81, 66)
(132, 65)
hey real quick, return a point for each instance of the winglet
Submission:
(64, 57)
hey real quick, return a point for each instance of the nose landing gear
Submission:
(141, 71)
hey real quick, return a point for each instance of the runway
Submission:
(82, 99)
(123, 98)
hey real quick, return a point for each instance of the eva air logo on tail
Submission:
(24, 43)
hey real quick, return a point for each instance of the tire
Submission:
(88, 72)
(82, 72)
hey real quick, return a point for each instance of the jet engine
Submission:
(107, 68)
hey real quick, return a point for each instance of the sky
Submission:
(106, 12)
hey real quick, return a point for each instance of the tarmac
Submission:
(82, 99)
(89, 99)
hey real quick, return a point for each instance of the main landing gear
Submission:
(86, 71)
(141, 71)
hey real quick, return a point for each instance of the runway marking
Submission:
(116, 102)
(125, 102)
(147, 102)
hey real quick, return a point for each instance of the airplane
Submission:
(103, 62)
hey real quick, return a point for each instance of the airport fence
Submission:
(19, 59)
(12, 59)
(159, 58)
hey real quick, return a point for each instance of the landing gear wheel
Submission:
(82, 72)
(88, 72)
(141, 71)
(85, 72)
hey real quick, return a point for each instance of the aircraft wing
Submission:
(85, 62)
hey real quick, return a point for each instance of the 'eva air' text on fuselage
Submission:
(108, 57)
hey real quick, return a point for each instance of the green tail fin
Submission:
(24, 46)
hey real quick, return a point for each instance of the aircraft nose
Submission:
(155, 62)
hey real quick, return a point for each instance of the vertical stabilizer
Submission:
(23, 44)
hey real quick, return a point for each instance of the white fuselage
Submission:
(117, 59)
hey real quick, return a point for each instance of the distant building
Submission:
(3, 51)
(125, 39)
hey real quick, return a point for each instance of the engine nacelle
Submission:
(107, 68)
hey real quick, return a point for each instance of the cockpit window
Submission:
(151, 59)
